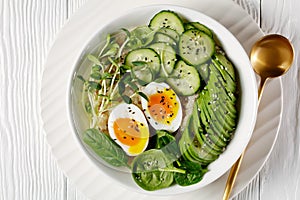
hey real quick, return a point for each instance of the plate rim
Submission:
(244, 137)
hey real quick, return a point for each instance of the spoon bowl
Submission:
(271, 57)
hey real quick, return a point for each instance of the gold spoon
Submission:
(270, 57)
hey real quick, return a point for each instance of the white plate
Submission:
(248, 96)
(66, 49)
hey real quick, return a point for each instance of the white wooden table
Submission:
(27, 168)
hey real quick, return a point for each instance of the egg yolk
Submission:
(163, 106)
(131, 133)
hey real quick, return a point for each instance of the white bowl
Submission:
(247, 99)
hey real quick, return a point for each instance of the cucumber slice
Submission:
(167, 56)
(188, 26)
(200, 27)
(161, 37)
(145, 74)
(196, 47)
(185, 79)
(144, 62)
(170, 32)
(167, 19)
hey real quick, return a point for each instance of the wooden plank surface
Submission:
(281, 174)
(28, 170)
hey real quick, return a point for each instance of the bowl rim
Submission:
(97, 32)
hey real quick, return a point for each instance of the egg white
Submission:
(131, 111)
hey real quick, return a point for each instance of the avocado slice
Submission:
(226, 63)
(210, 125)
(200, 135)
(222, 124)
(227, 87)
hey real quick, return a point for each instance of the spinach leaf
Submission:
(105, 147)
(152, 170)
(167, 143)
(194, 173)
(163, 138)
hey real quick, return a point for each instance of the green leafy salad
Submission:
(161, 100)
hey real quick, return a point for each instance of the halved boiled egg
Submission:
(163, 108)
(128, 127)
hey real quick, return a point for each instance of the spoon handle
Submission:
(232, 177)
(261, 87)
(236, 166)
